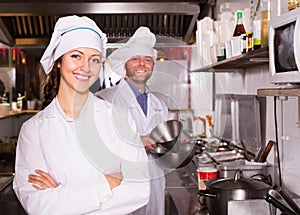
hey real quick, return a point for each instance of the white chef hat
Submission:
(72, 32)
(141, 43)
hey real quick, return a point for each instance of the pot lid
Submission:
(238, 183)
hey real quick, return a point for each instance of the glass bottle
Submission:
(239, 28)
(237, 40)
(265, 17)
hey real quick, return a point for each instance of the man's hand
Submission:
(114, 179)
(42, 180)
(148, 142)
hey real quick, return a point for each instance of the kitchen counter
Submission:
(182, 186)
(18, 113)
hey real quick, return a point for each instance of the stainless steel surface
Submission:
(170, 207)
(166, 134)
(219, 157)
(227, 169)
(5, 180)
(182, 185)
(31, 23)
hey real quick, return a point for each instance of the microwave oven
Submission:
(284, 48)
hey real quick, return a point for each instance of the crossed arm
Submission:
(43, 180)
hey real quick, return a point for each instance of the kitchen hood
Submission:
(31, 23)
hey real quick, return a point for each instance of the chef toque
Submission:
(141, 43)
(72, 32)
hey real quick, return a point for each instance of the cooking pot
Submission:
(220, 191)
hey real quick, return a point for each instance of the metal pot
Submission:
(220, 191)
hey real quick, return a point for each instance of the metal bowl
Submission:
(178, 157)
(166, 135)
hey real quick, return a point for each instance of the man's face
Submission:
(139, 69)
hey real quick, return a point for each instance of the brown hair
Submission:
(51, 85)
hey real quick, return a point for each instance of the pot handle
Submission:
(206, 193)
(238, 174)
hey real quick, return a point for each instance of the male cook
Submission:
(135, 62)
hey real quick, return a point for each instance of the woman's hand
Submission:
(148, 142)
(114, 179)
(42, 180)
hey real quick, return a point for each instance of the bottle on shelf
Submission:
(256, 23)
(265, 17)
(239, 27)
(239, 31)
(249, 41)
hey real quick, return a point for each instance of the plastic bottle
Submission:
(256, 34)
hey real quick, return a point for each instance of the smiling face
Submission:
(139, 69)
(79, 69)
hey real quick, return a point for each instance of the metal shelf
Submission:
(279, 92)
(250, 59)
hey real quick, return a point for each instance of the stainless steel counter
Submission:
(182, 186)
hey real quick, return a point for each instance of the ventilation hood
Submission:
(31, 23)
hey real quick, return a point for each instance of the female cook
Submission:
(71, 142)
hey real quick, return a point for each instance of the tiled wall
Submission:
(287, 115)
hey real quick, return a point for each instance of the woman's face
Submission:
(79, 69)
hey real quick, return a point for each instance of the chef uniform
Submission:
(78, 153)
(124, 94)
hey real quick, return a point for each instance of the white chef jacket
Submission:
(48, 141)
(122, 96)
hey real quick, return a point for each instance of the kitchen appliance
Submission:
(279, 198)
(284, 48)
(220, 191)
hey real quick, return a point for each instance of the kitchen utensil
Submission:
(159, 149)
(178, 157)
(215, 162)
(166, 134)
(246, 151)
(220, 191)
(262, 156)
(281, 200)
